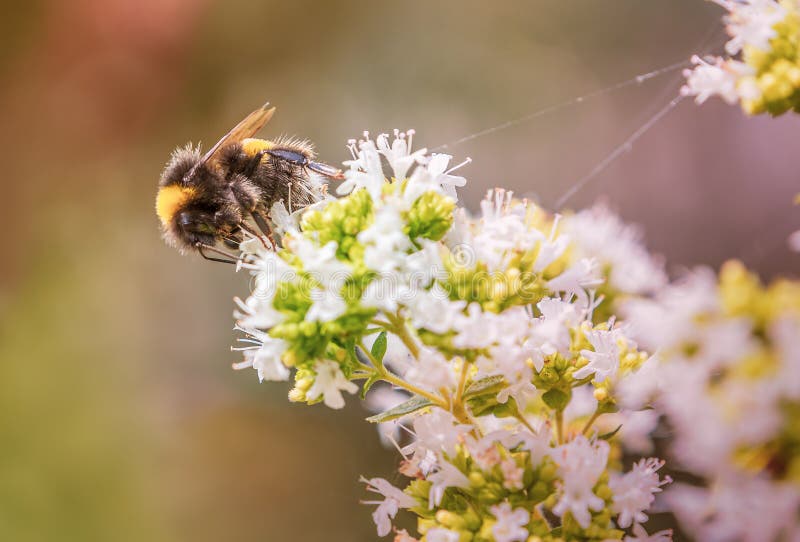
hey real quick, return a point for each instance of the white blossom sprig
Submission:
(762, 69)
(476, 339)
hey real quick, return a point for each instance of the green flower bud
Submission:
(430, 216)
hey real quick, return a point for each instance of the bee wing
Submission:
(248, 127)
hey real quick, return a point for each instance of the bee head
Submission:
(189, 211)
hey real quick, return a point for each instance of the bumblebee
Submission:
(207, 200)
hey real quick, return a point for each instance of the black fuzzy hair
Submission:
(180, 162)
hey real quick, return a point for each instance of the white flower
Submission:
(599, 233)
(327, 305)
(510, 523)
(635, 388)
(640, 535)
(501, 230)
(580, 464)
(438, 432)
(722, 343)
(750, 509)
(422, 267)
(418, 184)
(476, 328)
(433, 310)
(510, 360)
(257, 312)
(604, 361)
(285, 222)
(637, 426)
(484, 451)
(321, 263)
(446, 476)
(512, 474)
(329, 383)
(538, 444)
(706, 80)
(264, 356)
(364, 170)
(386, 243)
(751, 22)
(703, 440)
(634, 491)
(269, 269)
(399, 154)
(551, 332)
(581, 405)
(669, 320)
(753, 408)
(442, 535)
(437, 169)
(383, 293)
(584, 274)
(387, 509)
(432, 371)
(522, 390)
(550, 249)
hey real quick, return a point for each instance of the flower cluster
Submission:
(762, 71)
(728, 382)
(478, 341)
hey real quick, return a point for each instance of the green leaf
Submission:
(607, 407)
(606, 436)
(556, 399)
(479, 387)
(376, 377)
(379, 347)
(412, 405)
(583, 381)
(482, 405)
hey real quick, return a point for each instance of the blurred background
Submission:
(120, 417)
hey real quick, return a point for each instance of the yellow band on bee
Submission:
(252, 145)
(169, 199)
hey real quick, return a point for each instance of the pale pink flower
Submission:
(634, 491)
(510, 526)
(580, 464)
(387, 509)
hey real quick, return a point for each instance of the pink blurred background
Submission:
(121, 418)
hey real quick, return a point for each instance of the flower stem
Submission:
(377, 363)
(391, 378)
(590, 421)
(462, 380)
(381, 323)
(518, 415)
(560, 426)
(400, 383)
(398, 327)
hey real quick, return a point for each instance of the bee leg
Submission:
(201, 246)
(233, 239)
(251, 166)
(263, 225)
(254, 233)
